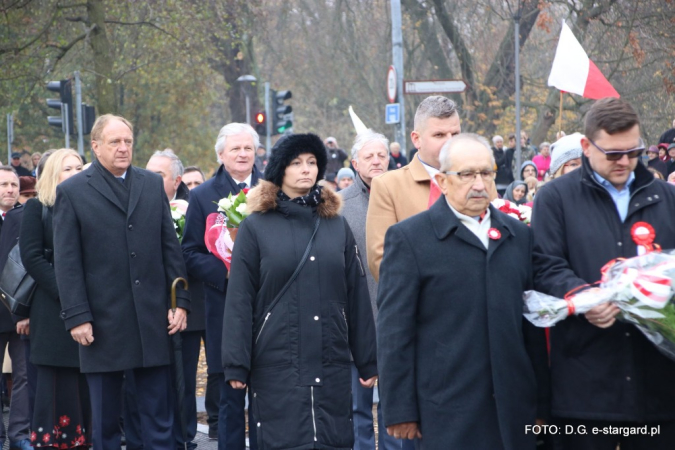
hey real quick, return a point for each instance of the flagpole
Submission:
(561, 110)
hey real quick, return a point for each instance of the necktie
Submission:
(434, 193)
(242, 185)
(120, 179)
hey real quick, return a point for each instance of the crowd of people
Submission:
(352, 269)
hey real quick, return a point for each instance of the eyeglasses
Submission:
(467, 176)
(615, 155)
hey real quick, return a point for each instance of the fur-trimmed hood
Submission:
(263, 198)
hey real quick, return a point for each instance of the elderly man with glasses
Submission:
(459, 367)
(604, 372)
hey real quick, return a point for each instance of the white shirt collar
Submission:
(247, 180)
(480, 229)
(432, 171)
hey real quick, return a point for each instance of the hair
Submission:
(102, 121)
(658, 174)
(26, 160)
(612, 115)
(177, 169)
(531, 190)
(230, 130)
(497, 138)
(366, 137)
(43, 160)
(189, 169)
(50, 174)
(449, 146)
(9, 169)
(545, 144)
(435, 106)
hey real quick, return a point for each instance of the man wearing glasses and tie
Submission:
(604, 372)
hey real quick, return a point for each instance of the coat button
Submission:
(637, 205)
(316, 317)
(131, 227)
(627, 334)
(318, 380)
(137, 282)
(656, 196)
(627, 378)
(63, 314)
(133, 254)
(258, 423)
(619, 244)
(649, 198)
(311, 258)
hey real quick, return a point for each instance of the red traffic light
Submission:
(260, 118)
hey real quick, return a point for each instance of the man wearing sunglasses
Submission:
(604, 372)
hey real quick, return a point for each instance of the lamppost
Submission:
(516, 18)
(246, 81)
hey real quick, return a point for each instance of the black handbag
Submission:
(17, 287)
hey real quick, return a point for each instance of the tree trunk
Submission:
(103, 59)
(499, 82)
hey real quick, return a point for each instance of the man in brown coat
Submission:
(402, 193)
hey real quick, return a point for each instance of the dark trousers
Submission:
(582, 437)
(231, 419)
(131, 417)
(31, 372)
(19, 407)
(191, 343)
(153, 397)
(212, 400)
(362, 416)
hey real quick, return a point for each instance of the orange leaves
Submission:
(545, 21)
(637, 51)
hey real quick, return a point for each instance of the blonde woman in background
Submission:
(61, 415)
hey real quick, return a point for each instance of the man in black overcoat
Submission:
(459, 366)
(580, 222)
(116, 255)
(235, 150)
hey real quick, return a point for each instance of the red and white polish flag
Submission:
(574, 72)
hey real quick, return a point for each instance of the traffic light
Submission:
(260, 123)
(88, 118)
(282, 114)
(64, 104)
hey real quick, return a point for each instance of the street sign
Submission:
(433, 86)
(391, 84)
(392, 113)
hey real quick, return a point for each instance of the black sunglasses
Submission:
(615, 155)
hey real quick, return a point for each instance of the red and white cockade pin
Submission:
(643, 234)
(494, 234)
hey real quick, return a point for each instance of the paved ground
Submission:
(202, 438)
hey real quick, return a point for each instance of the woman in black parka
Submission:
(61, 415)
(297, 354)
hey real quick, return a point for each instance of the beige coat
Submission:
(394, 197)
